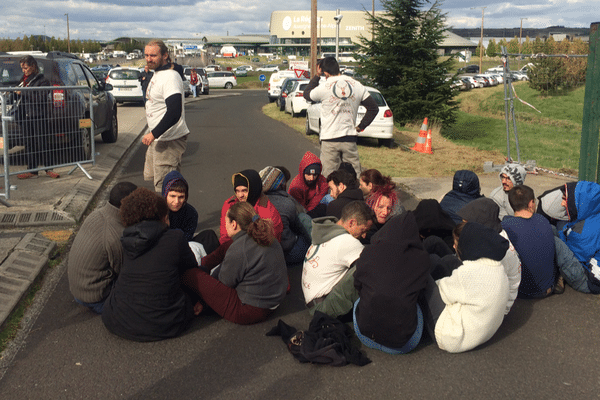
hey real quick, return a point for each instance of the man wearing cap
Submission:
(340, 97)
(310, 186)
(510, 176)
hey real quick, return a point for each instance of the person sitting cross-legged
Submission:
(344, 189)
(252, 280)
(328, 270)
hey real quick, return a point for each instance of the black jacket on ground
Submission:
(147, 302)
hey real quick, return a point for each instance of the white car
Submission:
(277, 78)
(126, 84)
(295, 103)
(382, 127)
(473, 82)
(224, 79)
(268, 68)
(499, 68)
(247, 67)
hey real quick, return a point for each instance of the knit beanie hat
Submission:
(484, 211)
(515, 172)
(239, 180)
(313, 169)
(272, 179)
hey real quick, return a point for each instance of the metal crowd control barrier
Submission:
(45, 128)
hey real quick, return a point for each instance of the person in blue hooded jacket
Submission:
(465, 188)
(582, 237)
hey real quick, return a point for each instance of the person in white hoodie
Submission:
(466, 309)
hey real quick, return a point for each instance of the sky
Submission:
(110, 19)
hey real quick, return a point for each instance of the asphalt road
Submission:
(544, 349)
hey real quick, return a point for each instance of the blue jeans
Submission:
(95, 307)
(570, 267)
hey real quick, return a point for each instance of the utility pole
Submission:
(481, 40)
(520, 43)
(313, 37)
(68, 35)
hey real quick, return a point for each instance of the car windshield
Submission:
(126, 74)
(378, 98)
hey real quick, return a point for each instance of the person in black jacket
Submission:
(343, 187)
(147, 302)
(33, 115)
(390, 275)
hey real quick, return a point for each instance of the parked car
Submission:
(126, 84)
(295, 103)
(499, 68)
(203, 86)
(240, 71)
(224, 79)
(247, 67)
(275, 81)
(474, 83)
(287, 86)
(268, 68)
(68, 107)
(483, 79)
(212, 68)
(469, 69)
(382, 127)
(519, 76)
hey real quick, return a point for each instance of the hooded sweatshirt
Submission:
(147, 302)
(476, 293)
(582, 232)
(465, 188)
(550, 205)
(186, 219)
(517, 175)
(256, 198)
(332, 252)
(308, 196)
(485, 212)
(390, 274)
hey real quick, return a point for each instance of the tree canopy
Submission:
(402, 61)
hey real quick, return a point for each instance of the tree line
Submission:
(46, 44)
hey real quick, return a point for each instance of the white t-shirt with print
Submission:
(325, 265)
(163, 84)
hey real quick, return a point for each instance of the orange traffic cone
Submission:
(428, 143)
(420, 144)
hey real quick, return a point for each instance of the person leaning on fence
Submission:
(32, 114)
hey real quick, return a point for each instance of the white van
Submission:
(275, 82)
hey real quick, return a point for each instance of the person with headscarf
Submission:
(247, 186)
(390, 275)
(466, 309)
(465, 188)
(252, 278)
(510, 175)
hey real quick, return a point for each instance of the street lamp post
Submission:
(338, 18)
(68, 35)
(481, 39)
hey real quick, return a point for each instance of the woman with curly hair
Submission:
(252, 279)
(147, 302)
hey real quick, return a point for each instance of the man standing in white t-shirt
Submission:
(340, 97)
(165, 113)
(328, 273)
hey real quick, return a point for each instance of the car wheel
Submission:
(111, 135)
(83, 146)
(386, 142)
(228, 85)
(206, 92)
(307, 128)
(271, 99)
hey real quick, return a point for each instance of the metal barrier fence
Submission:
(45, 128)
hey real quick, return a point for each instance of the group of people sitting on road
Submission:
(451, 268)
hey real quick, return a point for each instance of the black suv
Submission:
(469, 69)
(68, 107)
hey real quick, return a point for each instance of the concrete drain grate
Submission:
(38, 218)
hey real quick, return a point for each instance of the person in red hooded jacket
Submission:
(310, 186)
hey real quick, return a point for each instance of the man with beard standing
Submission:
(165, 113)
